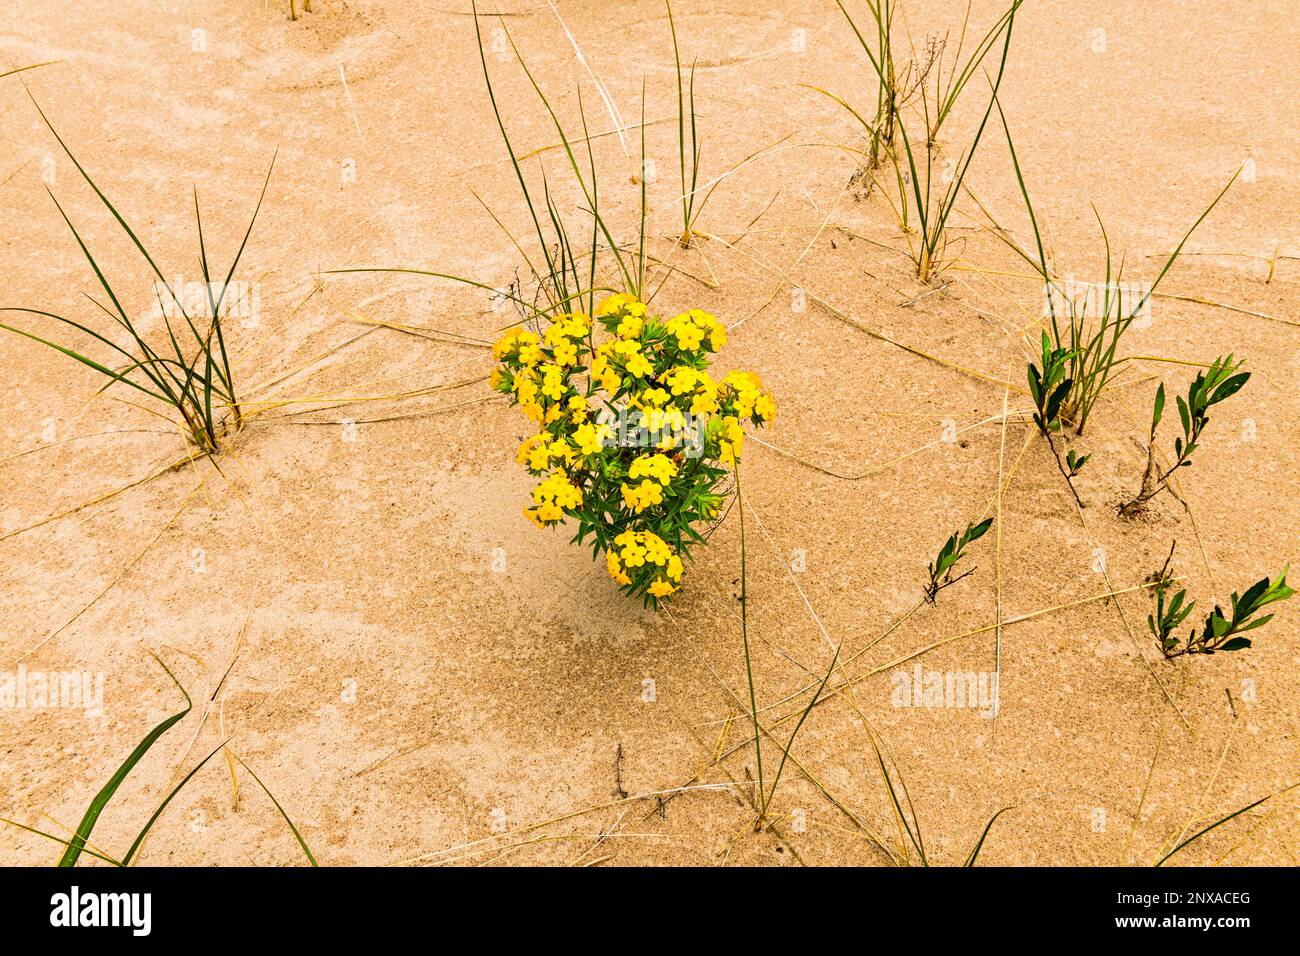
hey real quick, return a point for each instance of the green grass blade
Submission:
(901, 816)
(103, 370)
(301, 842)
(130, 854)
(106, 793)
(104, 199)
(514, 159)
(785, 752)
(1223, 820)
(975, 851)
(1177, 251)
(744, 636)
(632, 285)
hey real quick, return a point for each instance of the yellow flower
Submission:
(630, 327)
(705, 402)
(656, 549)
(642, 496)
(526, 447)
(613, 304)
(566, 353)
(505, 345)
(659, 467)
(552, 382)
(689, 337)
(591, 438)
(562, 449)
(661, 588)
(539, 458)
(681, 380)
(616, 568)
(557, 492)
(513, 339)
(638, 365)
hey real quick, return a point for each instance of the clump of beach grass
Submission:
(188, 369)
(1087, 327)
(563, 267)
(929, 193)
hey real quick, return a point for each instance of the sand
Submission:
(425, 676)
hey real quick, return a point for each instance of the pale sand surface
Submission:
(401, 697)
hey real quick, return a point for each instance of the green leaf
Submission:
(975, 851)
(1229, 388)
(1184, 415)
(106, 793)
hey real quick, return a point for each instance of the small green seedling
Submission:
(1222, 380)
(1218, 633)
(942, 566)
(1049, 386)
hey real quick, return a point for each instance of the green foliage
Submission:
(953, 550)
(1048, 386)
(194, 379)
(1219, 632)
(1075, 462)
(1221, 381)
(634, 435)
(1090, 337)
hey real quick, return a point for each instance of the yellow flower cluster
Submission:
(690, 329)
(551, 498)
(645, 549)
(652, 376)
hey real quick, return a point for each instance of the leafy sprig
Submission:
(1219, 632)
(1049, 386)
(953, 549)
(1220, 381)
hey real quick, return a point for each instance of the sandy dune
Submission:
(422, 674)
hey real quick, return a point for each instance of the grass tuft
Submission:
(194, 378)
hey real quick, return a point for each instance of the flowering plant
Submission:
(634, 436)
